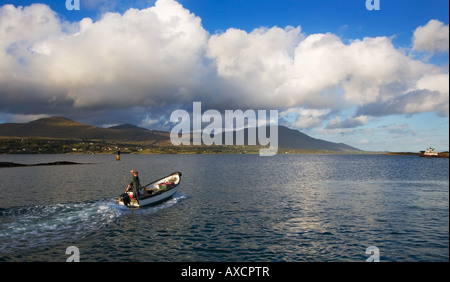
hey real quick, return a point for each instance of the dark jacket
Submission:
(135, 184)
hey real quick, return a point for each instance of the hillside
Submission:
(63, 128)
(60, 128)
(294, 139)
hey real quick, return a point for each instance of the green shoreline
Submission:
(11, 164)
(440, 155)
(55, 146)
(52, 146)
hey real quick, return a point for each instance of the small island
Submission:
(11, 164)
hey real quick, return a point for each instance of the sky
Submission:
(374, 79)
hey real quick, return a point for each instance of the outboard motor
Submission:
(125, 198)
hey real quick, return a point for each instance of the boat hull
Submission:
(155, 199)
(155, 192)
(428, 154)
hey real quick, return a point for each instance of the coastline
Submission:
(440, 155)
(12, 164)
(185, 150)
(54, 146)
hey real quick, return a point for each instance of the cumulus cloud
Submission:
(283, 68)
(432, 37)
(144, 57)
(431, 93)
(350, 122)
(306, 118)
(150, 61)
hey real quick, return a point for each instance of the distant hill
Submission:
(294, 139)
(63, 128)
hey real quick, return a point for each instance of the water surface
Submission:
(228, 208)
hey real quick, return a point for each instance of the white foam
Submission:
(28, 227)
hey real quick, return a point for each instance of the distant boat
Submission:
(152, 193)
(429, 153)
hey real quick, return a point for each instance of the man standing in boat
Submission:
(134, 185)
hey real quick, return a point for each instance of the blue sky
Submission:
(348, 18)
(334, 70)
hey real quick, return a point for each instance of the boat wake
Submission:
(155, 208)
(24, 228)
(28, 227)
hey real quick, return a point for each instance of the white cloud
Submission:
(433, 37)
(306, 118)
(161, 56)
(255, 66)
(350, 122)
(283, 68)
(143, 57)
(148, 122)
(429, 94)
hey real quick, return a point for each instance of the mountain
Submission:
(54, 127)
(63, 128)
(294, 139)
(66, 129)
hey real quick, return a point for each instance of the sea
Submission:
(229, 208)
